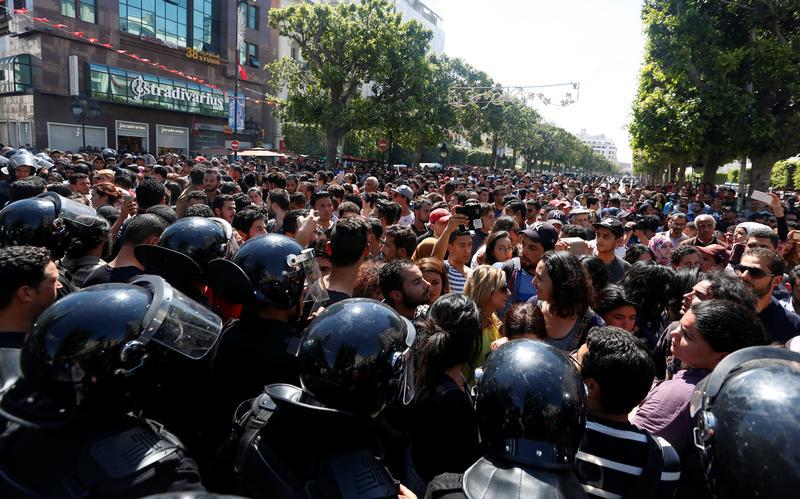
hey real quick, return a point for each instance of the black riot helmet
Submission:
(108, 153)
(184, 249)
(356, 357)
(92, 350)
(747, 423)
(265, 270)
(39, 221)
(531, 405)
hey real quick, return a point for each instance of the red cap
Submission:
(439, 215)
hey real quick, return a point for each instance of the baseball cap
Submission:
(613, 224)
(439, 215)
(579, 211)
(404, 191)
(556, 217)
(544, 234)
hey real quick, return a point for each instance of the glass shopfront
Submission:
(139, 89)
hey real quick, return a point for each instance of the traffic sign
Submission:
(383, 145)
(235, 145)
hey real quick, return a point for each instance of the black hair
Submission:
(506, 223)
(21, 266)
(317, 195)
(348, 207)
(524, 318)
(291, 222)
(449, 337)
(149, 192)
(728, 287)
(597, 270)
(245, 219)
(634, 251)
(375, 227)
(348, 239)
(389, 210)
(277, 178)
(390, 277)
(197, 174)
(775, 263)
(28, 187)
(229, 188)
(201, 195)
(571, 290)
(141, 227)
(163, 211)
(610, 298)
(279, 197)
(404, 238)
(766, 234)
(219, 201)
(458, 233)
(620, 365)
(85, 233)
(575, 231)
(199, 210)
(681, 251)
(682, 282)
(728, 326)
(645, 284)
(491, 242)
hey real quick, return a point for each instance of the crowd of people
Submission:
(175, 325)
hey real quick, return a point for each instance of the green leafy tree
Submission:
(345, 47)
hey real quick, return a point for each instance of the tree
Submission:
(720, 81)
(344, 47)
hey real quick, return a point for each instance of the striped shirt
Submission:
(612, 457)
(456, 279)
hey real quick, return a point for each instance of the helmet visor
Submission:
(177, 322)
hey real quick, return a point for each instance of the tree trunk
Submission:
(761, 172)
(681, 177)
(494, 151)
(710, 173)
(332, 139)
(418, 150)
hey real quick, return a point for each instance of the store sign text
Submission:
(207, 57)
(141, 88)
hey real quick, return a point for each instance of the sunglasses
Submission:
(755, 272)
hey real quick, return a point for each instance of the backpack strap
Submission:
(249, 424)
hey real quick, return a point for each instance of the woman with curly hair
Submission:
(647, 284)
(564, 293)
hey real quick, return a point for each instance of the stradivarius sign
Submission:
(141, 88)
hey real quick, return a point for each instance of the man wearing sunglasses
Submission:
(762, 269)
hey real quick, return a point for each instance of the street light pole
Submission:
(443, 154)
(82, 109)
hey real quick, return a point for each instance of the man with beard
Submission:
(403, 287)
(520, 270)
(422, 213)
(278, 208)
(211, 181)
(762, 269)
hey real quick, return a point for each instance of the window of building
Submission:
(82, 9)
(164, 20)
(205, 31)
(295, 53)
(249, 15)
(15, 74)
(248, 55)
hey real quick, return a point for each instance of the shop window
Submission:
(164, 20)
(248, 55)
(15, 74)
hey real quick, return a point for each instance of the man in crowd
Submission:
(323, 204)
(399, 243)
(762, 270)
(705, 232)
(609, 233)
(211, 181)
(403, 287)
(278, 200)
(422, 213)
(403, 195)
(676, 222)
(224, 207)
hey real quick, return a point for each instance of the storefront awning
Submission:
(261, 152)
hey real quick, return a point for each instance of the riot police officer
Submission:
(316, 441)
(747, 425)
(89, 360)
(20, 164)
(531, 410)
(183, 252)
(40, 221)
(258, 349)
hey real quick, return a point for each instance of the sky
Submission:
(598, 43)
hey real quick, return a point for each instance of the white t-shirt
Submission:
(407, 220)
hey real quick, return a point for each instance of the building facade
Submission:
(128, 63)
(600, 144)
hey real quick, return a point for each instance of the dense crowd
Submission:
(174, 324)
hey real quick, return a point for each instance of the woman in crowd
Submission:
(615, 309)
(638, 253)
(646, 284)
(434, 272)
(487, 287)
(106, 194)
(564, 293)
(524, 321)
(499, 247)
(661, 247)
(444, 433)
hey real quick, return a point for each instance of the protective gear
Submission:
(108, 153)
(39, 221)
(531, 409)
(10, 152)
(86, 350)
(184, 249)
(263, 271)
(22, 158)
(531, 405)
(356, 356)
(747, 425)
